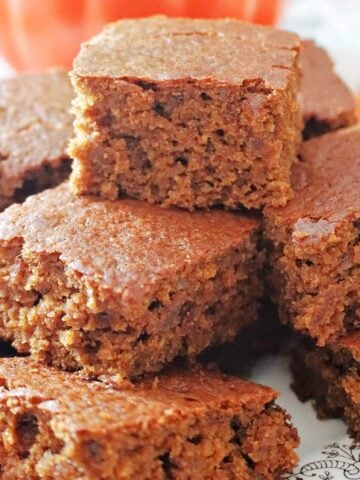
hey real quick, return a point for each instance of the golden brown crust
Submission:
(326, 102)
(191, 389)
(132, 244)
(163, 49)
(55, 424)
(35, 128)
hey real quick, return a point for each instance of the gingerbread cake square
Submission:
(183, 424)
(315, 253)
(193, 113)
(123, 285)
(35, 127)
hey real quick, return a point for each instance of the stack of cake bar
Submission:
(197, 189)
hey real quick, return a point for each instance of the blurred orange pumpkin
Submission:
(35, 34)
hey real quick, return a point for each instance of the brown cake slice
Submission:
(315, 257)
(326, 102)
(35, 127)
(181, 425)
(123, 285)
(331, 376)
(192, 113)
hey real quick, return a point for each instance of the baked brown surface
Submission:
(316, 252)
(193, 113)
(35, 127)
(326, 102)
(123, 285)
(183, 424)
(330, 376)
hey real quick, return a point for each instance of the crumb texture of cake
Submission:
(35, 127)
(325, 101)
(123, 285)
(181, 425)
(331, 377)
(192, 113)
(315, 253)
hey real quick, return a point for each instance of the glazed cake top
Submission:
(126, 245)
(162, 49)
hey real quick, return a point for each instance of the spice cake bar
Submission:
(326, 102)
(183, 424)
(315, 256)
(192, 113)
(35, 127)
(331, 376)
(123, 285)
